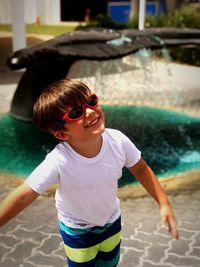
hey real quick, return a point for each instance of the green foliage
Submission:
(186, 16)
(186, 55)
(103, 21)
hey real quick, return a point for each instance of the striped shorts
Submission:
(92, 247)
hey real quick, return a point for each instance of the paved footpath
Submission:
(32, 239)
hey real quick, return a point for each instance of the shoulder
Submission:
(53, 157)
(115, 135)
(119, 138)
(59, 156)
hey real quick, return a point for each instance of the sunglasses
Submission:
(78, 112)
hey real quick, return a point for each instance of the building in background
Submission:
(42, 11)
(77, 10)
(55, 11)
(119, 10)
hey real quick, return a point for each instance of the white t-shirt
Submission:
(87, 187)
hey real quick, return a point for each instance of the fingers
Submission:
(173, 228)
(168, 220)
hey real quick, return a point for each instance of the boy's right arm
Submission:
(15, 202)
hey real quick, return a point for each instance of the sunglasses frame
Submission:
(66, 118)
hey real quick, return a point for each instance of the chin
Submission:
(100, 129)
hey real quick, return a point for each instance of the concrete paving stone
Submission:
(154, 264)
(131, 217)
(195, 194)
(129, 229)
(53, 223)
(49, 244)
(8, 240)
(178, 210)
(156, 252)
(140, 217)
(27, 264)
(162, 230)
(181, 199)
(42, 204)
(150, 225)
(135, 243)
(197, 240)
(38, 220)
(180, 247)
(142, 246)
(60, 251)
(195, 252)
(190, 226)
(22, 250)
(130, 258)
(31, 222)
(136, 202)
(10, 263)
(49, 229)
(3, 249)
(131, 205)
(150, 237)
(21, 221)
(147, 208)
(184, 234)
(197, 198)
(180, 261)
(32, 236)
(39, 258)
(190, 215)
(141, 209)
(7, 227)
(194, 206)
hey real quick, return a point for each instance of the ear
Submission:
(62, 135)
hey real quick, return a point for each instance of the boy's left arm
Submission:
(144, 174)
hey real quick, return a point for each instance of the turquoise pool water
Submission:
(169, 141)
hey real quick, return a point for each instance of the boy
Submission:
(86, 165)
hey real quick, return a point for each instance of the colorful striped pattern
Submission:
(96, 246)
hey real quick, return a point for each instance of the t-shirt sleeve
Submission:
(132, 153)
(44, 176)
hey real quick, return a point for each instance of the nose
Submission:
(88, 111)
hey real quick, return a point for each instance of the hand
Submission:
(168, 219)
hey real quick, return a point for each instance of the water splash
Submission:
(143, 79)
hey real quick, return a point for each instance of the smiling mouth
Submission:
(92, 123)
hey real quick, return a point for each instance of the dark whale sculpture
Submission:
(51, 60)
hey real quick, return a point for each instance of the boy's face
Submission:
(90, 125)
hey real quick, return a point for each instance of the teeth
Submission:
(93, 122)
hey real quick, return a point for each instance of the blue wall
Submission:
(119, 10)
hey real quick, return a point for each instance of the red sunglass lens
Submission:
(92, 101)
(76, 113)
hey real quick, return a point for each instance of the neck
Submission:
(88, 149)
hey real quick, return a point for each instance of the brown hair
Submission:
(51, 105)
